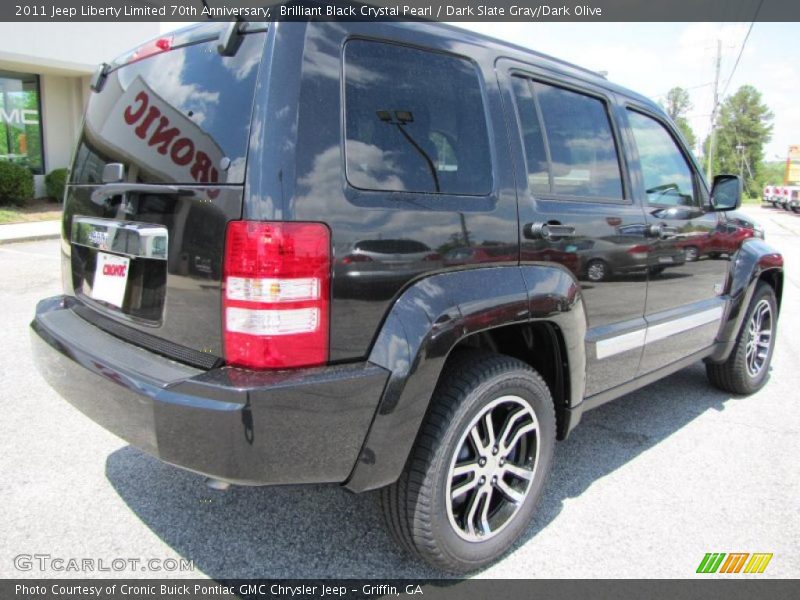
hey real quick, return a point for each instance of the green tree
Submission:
(771, 173)
(677, 105)
(744, 127)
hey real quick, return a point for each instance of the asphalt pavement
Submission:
(644, 487)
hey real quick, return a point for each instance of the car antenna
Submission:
(207, 8)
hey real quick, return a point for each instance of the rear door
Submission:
(570, 173)
(684, 297)
(143, 253)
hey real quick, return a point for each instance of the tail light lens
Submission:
(355, 258)
(639, 251)
(276, 294)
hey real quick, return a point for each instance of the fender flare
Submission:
(429, 319)
(754, 258)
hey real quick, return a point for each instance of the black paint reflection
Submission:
(362, 267)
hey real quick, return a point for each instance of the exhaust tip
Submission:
(217, 484)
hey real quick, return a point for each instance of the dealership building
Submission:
(45, 70)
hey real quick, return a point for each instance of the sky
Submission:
(651, 58)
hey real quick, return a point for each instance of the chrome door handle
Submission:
(547, 231)
(660, 231)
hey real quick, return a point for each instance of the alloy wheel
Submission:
(596, 271)
(759, 338)
(492, 468)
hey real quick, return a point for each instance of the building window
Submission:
(415, 121)
(20, 120)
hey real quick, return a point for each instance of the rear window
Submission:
(181, 116)
(415, 121)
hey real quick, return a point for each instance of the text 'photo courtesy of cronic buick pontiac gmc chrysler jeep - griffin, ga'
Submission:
(394, 256)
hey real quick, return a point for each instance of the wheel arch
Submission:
(539, 344)
(755, 261)
(478, 306)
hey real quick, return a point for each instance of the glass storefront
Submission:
(20, 120)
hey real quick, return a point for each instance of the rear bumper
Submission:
(247, 427)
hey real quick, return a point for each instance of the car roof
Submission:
(501, 48)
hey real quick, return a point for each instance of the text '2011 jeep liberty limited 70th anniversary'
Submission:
(387, 255)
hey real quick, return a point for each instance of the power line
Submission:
(741, 50)
(693, 87)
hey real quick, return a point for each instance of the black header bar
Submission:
(406, 10)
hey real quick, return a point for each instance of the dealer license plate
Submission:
(110, 278)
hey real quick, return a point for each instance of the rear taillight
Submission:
(275, 297)
(639, 251)
(355, 258)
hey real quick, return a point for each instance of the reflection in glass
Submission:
(414, 121)
(181, 116)
(667, 177)
(20, 122)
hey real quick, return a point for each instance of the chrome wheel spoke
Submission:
(480, 447)
(515, 496)
(508, 427)
(519, 472)
(485, 526)
(473, 511)
(489, 430)
(527, 428)
(462, 489)
(465, 469)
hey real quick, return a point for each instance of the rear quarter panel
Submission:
(302, 178)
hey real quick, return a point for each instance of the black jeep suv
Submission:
(352, 253)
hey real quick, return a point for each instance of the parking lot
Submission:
(643, 488)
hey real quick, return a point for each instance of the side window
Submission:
(577, 155)
(532, 138)
(582, 151)
(668, 179)
(414, 121)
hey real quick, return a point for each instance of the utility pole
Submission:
(740, 149)
(713, 142)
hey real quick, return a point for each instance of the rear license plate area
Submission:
(110, 279)
(124, 272)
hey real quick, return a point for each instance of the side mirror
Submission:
(726, 193)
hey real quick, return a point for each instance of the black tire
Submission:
(656, 271)
(416, 508)
(597, 270)
(733, 375)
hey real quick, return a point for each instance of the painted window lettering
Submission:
(166, 139)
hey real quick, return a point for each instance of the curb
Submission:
(31, 238)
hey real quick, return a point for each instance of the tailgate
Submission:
(145, 236)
